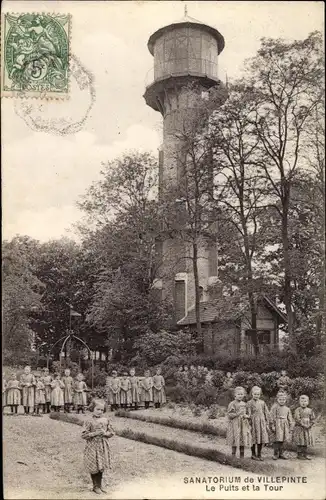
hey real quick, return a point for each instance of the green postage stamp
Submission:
(35, 55)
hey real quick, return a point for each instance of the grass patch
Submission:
(202, 452)
(185, 448)
(203, 427)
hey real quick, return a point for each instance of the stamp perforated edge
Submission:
(30, 94)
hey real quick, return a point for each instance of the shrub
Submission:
(252, 380)
(263, 363)
(303, 366)
(154, 348)
(314, 388)
(196, 411)
(240, 379)
(247, 380)
(98, 392)
(205, 396)
(213, 412)
(170, 367)
(100, 377)
(176, 392)
(218, 379)
(269, 383)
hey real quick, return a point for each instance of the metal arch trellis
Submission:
(65, 340)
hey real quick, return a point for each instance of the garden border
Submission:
(204, 428)
(210, 454)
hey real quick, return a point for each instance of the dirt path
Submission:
(43, 460)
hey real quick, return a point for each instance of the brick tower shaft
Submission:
(185, 65)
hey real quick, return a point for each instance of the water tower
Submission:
(185, 67)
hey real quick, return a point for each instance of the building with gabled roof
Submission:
(229, 330)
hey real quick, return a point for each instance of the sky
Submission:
(43, 173)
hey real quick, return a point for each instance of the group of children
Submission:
(45, 392)
(38, 392)
(129, 391)
(252, 425)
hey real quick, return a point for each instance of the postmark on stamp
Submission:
(64, 117)
(35, 55)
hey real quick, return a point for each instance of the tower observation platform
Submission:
(184, 50)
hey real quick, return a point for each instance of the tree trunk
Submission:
(197, 291)
(251, 297)
(253, 311)
(287, 276)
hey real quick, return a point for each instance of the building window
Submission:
(264, 339)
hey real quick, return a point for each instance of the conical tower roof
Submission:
(186, 21)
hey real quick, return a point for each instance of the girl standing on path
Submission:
(80, 394)
(238, 431)
(57, 393)
(47, 379)
(27, 382)
(304, 419)
(281, 422)
(68, 382)
(259, 422)
(125, 391)
(39, 394)
(13, 394)
(146, 386)
(97, 457)
(158, 389)
(134, 388)
(113, 390)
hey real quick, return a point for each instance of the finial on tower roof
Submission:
(186, 10)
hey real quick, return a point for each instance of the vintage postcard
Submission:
(163, 250)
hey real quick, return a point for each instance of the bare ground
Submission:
(43, 459)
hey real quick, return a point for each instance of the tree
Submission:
(154, 348)
(22, 292)
(124, 214)
(240, 193)
(66, 272)
(285, 79)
